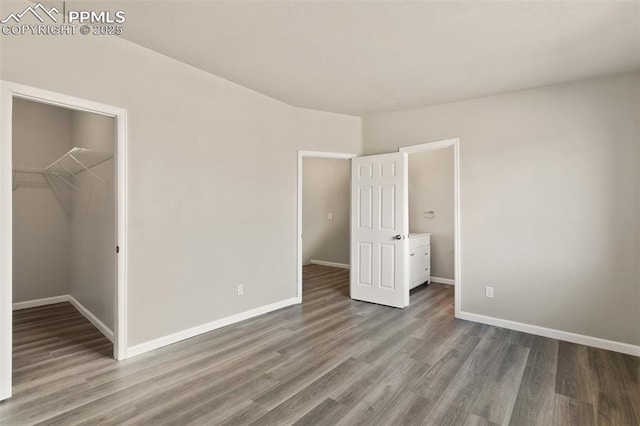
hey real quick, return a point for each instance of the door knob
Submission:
(398, 237)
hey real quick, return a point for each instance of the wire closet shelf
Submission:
(23, 176)
(75, 161)
(59, 175)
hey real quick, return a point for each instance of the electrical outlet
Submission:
(489, 292)
(240, 289)
(330, 216)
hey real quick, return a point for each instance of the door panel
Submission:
(365, 208)
(387, 266)
(365, 271)
(388, 207)
(379, 213)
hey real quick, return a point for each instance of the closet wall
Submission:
(92, 220)
(41, 226)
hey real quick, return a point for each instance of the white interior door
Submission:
(380, 229)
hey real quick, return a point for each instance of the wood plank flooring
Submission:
(328, 361)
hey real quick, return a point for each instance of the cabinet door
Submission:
(425, 263)
(414, 267)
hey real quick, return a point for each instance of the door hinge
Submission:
(117, 249)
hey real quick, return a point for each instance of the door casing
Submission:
(9, 91)
(301, 156)
(430, 146)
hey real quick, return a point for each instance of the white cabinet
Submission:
(419, 259)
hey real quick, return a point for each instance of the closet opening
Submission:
(63, 235)
(323, 225)
(62, 270)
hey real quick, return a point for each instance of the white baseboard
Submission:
(204, 328)
(40, 302)
(442, 281)
(67, 298)
(596, 342)
(334, 264)
(92, 318)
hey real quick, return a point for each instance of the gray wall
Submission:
(41, 255)
(211, 180)
(431, 188)
(325, 189)
(92, 220)
(549, 200)
(549, 187)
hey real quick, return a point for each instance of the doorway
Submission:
(387, 182)
(434, 209)
(323, 213)
(382, 243)
(62, 223)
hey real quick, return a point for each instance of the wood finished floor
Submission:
(329, 361)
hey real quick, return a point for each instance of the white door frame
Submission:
(455, 143)
(301, 156)
(8, 91)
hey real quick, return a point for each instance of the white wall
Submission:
(92, 220)
(212, 175)
(325, 189)
(549, 200)
(431, 187)
(41, 255)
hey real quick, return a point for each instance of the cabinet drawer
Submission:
(419, 240)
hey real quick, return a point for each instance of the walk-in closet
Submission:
(64, 286)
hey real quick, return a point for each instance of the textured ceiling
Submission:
(353, 57)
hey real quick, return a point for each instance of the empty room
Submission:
(320, 212)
